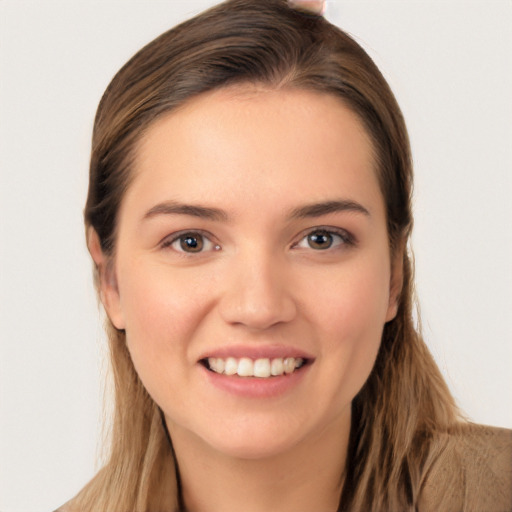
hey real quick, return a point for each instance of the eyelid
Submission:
(346, 236)
(167, 242)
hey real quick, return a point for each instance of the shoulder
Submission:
(469, 469)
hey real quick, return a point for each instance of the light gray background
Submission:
(450, 66)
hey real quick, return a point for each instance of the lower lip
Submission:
(256, 387)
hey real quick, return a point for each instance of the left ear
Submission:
(396, 282)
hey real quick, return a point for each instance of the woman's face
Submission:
(252, 241)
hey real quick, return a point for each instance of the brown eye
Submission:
(320, 240)
(191, 242)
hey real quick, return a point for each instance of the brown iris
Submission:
(320, 240)
(191, 242)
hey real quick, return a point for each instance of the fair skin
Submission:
(254, 228)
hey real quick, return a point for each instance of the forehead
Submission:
(284, 143)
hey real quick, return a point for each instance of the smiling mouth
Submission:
(246, 367)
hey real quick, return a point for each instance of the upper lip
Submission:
(256, 352)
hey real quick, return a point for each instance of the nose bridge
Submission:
(257, 292)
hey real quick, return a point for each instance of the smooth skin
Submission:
(218, 246)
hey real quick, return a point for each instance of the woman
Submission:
(248, 215)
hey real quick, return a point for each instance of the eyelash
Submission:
(182, 235)
(344, 239)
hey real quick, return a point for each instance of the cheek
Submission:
(352, 315)
(162, 311)
(355, 302)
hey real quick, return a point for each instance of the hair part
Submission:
(405, 400)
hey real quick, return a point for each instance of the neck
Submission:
(307, 477)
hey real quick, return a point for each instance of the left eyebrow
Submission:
(326, 207)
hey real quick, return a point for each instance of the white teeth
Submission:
(276, 367)
(230, 366)
(216, 365)
(289, 365)
(220, 365)
(245, 367)
(263, 368)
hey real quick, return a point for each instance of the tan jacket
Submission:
(470, 472)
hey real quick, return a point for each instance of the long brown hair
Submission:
(405, 400)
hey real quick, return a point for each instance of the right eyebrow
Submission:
(176, 208)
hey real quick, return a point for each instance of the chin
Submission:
(252, 447)
(247, 438)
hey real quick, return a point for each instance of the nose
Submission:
(257, 293)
